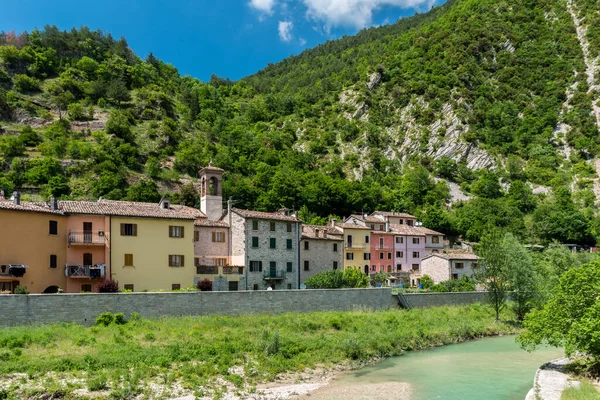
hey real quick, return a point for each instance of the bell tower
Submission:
(211, 198)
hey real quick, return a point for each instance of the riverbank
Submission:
(220, 356)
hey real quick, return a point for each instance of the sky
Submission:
(230, 38)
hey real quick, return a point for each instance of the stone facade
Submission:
(321, 249)
(211, 200)
(267, 244)
(443, 267)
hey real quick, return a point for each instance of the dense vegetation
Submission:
(85, 117)
(148, 356)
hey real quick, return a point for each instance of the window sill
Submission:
(128, 266)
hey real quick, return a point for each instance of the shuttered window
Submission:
(255, 241)
(196, 236)
(288, 243)
(176, 260)
(128, 229)
(128, 260)
(289, 266)
(176, 231)
(218, 237)
(255, 266)
(53, 229)
(272, 243)
(53, 261)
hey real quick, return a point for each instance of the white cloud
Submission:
(265, 6)
(356, 13)
(302, 42)
(285, 30)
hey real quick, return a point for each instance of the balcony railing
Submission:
(14, 270)
(274, 275)
(86, 271)
(351, 246)
(219, 270)
(385, 247)
(87, 238)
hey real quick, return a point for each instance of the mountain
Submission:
(477, 112)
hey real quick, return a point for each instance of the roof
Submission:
(129, 209)
(28, 206)
(210, 167)
(352, 226)
(393, 214)
(208, 222)
(309, 232)
(264, 215)
(377, 219)
(407, 230)
(455, 256)
(428, 231)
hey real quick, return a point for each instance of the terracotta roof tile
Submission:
(393, 214)
(428, 231)
(456, 256)
(406, 230)
(264, 215)
(29, 206)
(129, 209)
(208, 222)
(309, 232)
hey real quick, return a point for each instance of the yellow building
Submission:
(152, 245)
(356, 245)
(33, 245)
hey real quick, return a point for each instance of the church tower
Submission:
(211, 198)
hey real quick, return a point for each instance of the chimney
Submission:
(165, 204)
(387, 226)
(316, 233)
(229, 205)
(17, 198)
(333, 223)
(283, 211)
(53, 203)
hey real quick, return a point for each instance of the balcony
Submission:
(219, 270)
(13, 270)
(274, 275)
(386, 248)
(87, 238)
(86, 271)
(350, 246)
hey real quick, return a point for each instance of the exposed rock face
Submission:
(374, 80)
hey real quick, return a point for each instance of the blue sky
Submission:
(231, 38)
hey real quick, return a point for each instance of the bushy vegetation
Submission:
(348, 278)
(205, 285)
(108, 286)
(193, 351)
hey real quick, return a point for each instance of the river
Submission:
(491, 369)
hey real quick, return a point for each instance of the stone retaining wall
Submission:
(84, 308)
(425, 300)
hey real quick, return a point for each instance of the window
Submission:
(218, 237)
(128, 229)
(255, 286)
(349, 256)
(367, 238)
(128, 260)
(290, 266)
(53, 261)
(255, 241)
(398, 267)
(254, 225)
(372, 227)
(306, 246)
(459, 265)
(306, 265)
(474, 265)
(389, 256)
(435, 251)
(367, 256)
(289, 226)
(374, 268)
(454, 276)
(272, 243)
(435, 239)
(196, 236)
(289, 286)
(415, 267)
(273, 268)
(220, 262)
(176, 286)
(86, 288)
(399, 254)
(381, 227)
(416, 254)
(416, 240)
(399, 239)
(176, 231)
(176, 260)
(272, 226)
(255, 266)
(87, 259)
(401, 222)
(349, 241)
(335, 247)
(381, 256)
(335, 265)
(409, 222)
(196, 261)
(288, 243)
(128, 287)
(381, 243)
(233, 286)
(53, 230)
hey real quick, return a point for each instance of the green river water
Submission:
(491, 369)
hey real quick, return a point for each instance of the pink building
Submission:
(409, 247)
(382, 252)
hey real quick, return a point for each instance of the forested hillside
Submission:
(477, 112)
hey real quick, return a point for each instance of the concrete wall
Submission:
(84, 308)
(425, 300)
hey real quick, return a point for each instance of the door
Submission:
(87, 259)
(366, 270)
(349, 241)
(87, 232)
(273, 270)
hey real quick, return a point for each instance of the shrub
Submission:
(76, 112)
(24, 83)
(96, 383)
(205, 285)
(21, 290)
(120, 319)
(426, 281)
(105, 319)
(108, 286)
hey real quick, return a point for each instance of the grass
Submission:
(195, 352)
(586, 391)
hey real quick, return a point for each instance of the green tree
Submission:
(145, 191)
(117, 91)
(492, 269)
(520, 276)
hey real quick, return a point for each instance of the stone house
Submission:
(321, 249)
(267, 245)
(443, 267)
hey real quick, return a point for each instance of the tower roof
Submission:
(211, 168)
